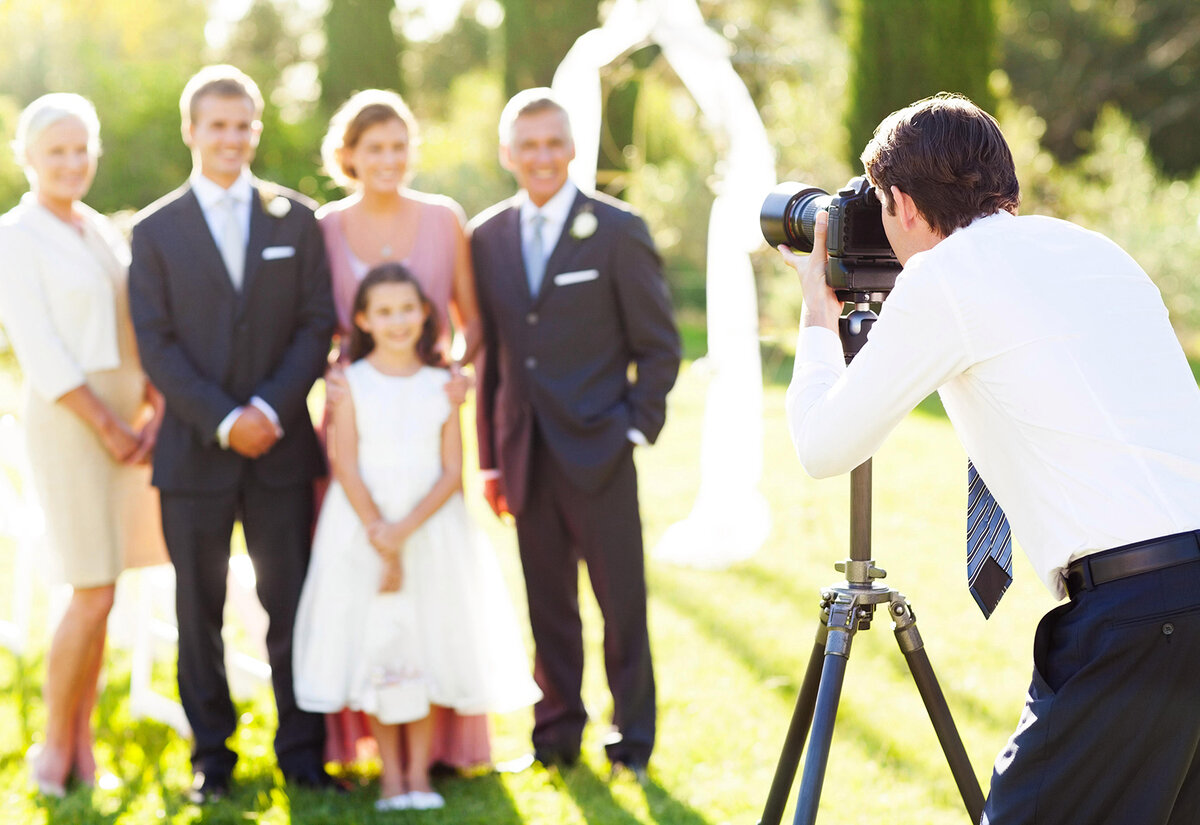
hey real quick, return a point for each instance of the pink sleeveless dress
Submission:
(459, 741)
(431, 259)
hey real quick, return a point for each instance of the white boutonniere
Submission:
(273, 203)
(277, 206)
(584, 225)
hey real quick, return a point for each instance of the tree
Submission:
(1068, 59)
(362, 50)
(124, 55)
(902, 52)
(538, 34)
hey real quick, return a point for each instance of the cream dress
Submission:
(64, 307)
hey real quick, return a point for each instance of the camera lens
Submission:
(788, 214)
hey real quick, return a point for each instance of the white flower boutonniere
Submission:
(277, 206)
(584, 225)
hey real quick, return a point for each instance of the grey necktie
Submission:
(535, 254)
(989, 545)
(229, 238)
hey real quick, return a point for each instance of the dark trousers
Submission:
(1110, 730)
(559, 526)
(276, 522)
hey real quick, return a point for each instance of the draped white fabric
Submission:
(730, 518)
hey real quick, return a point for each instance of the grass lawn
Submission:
(730, 650)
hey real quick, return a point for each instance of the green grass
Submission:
(730, 650)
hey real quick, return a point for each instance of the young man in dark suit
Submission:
(573, 301)
(230, 297)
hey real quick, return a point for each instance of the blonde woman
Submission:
(91, 418)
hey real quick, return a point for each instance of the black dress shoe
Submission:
(316, 780)
(555, 757)
(546, 757)
(636, 769)
(208, 787)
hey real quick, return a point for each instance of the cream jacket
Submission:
(57, 295)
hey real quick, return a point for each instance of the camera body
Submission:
(861, 261)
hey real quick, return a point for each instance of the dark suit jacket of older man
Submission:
(565, 375)
(210, 348)
(563, 358)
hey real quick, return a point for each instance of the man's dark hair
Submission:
(949, 156)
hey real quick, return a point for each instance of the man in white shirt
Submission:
(1054, 358)
(230, 298)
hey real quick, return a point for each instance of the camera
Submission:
(861, 260)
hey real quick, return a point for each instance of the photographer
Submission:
(1055, 361)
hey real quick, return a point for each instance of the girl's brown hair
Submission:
(362, 342)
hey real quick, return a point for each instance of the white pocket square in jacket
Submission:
(568, 278)
(274, 253)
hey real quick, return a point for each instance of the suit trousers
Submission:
(277, 522)
(1111, 726)
(560, 525)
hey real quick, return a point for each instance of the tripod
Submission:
(846, 608)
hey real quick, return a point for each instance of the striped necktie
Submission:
(989, 545)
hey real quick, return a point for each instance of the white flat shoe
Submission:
(399, 802)
(46, 787)
(425, 800)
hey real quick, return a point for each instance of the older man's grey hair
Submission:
(528, 102)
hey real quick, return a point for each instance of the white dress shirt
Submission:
(56, 295)
(210, 194)
(555, 211)
(1054, 358)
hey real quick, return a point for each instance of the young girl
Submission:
(403, 607)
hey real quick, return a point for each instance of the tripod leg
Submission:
(833, 676)
(909, 639)
(793, 745)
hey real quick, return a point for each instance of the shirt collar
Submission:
(555, 210)
(209, 193)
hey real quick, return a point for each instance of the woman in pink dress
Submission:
(368, 150)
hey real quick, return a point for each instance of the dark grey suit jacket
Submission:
(209, 348)
(592, 355)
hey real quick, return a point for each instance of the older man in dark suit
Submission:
(580, 352)
(230, 297)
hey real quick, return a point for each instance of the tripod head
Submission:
(854, 327)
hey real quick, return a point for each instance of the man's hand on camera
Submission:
(821, 306)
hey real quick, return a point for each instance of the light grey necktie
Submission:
(535, 254)
(229, 238)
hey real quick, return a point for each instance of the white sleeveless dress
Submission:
(449, 636)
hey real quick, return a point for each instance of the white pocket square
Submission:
(568, 278)
(274, 253)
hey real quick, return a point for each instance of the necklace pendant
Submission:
(386, 250)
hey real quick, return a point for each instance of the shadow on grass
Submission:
(740, 640)
(599, 806)
(785, 671)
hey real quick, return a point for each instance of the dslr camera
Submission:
(861, 261)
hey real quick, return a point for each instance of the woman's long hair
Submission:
(362, 342)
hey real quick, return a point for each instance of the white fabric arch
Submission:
(730, 519)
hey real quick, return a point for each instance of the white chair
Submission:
(22, 524)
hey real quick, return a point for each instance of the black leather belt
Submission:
(1132, 559)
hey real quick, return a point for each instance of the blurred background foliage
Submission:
(1098, 98)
